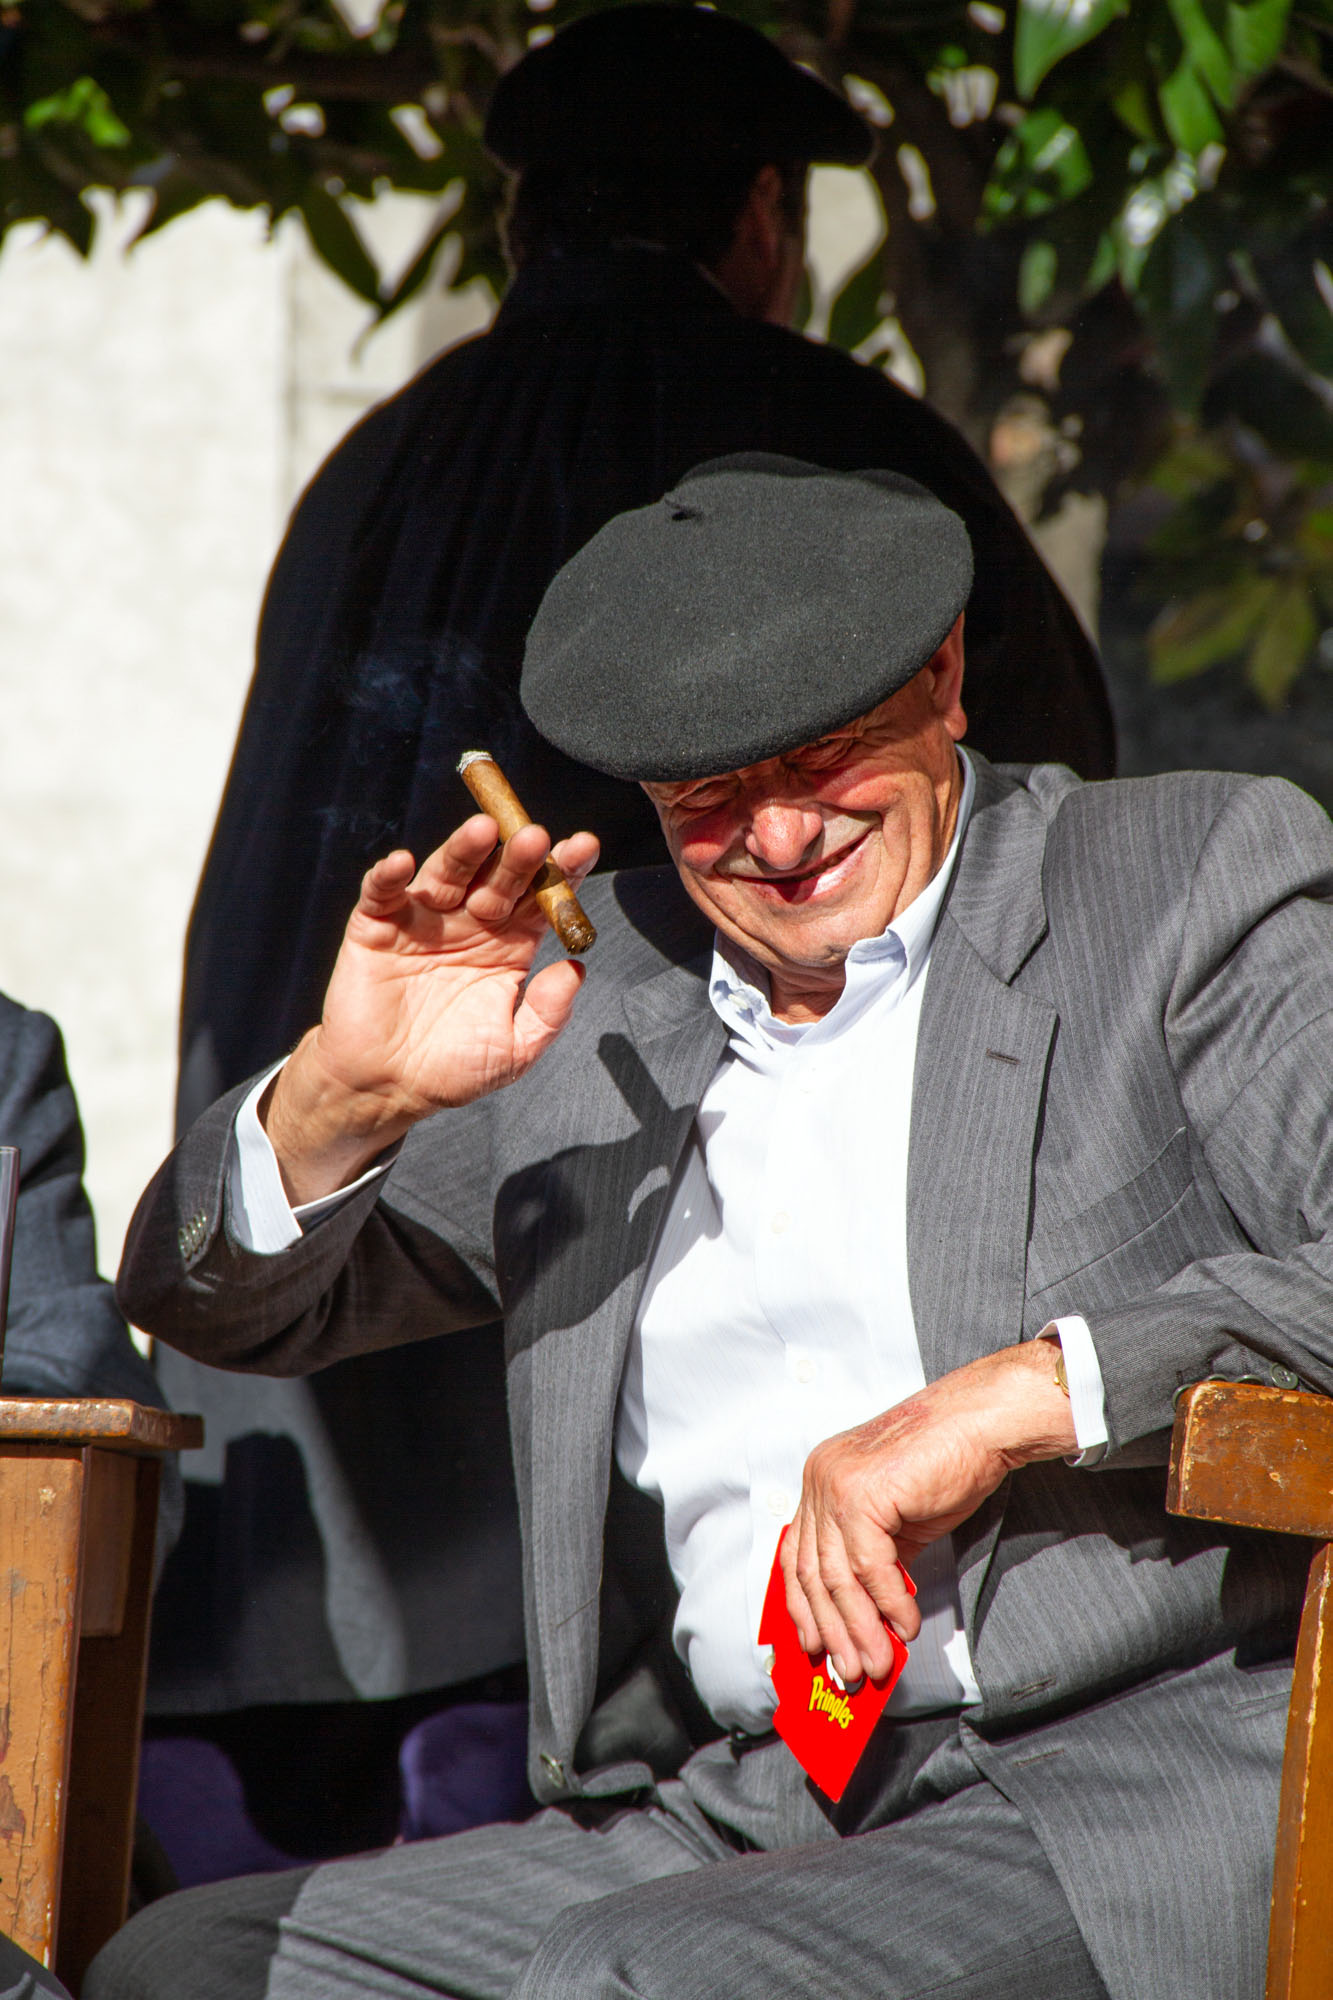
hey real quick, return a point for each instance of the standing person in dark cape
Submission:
(358, 1537)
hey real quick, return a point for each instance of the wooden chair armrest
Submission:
(112, 1422)
(1254, 1457)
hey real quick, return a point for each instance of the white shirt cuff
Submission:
(1087, 1391)
(262, 1218)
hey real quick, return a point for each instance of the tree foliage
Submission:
(1119, 211)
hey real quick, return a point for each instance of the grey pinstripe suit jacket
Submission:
(1119, 1109)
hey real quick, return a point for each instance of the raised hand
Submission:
(876, 1495)
(427, 1006)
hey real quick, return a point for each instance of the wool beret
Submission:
(760, 604)
(666, 83)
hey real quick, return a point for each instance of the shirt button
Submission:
(781, 1221)
(770, 1661)
(1285, 1378)
(553, 1768)
(778, 1504)
(805, 1369)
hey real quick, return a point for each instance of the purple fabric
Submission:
(190, 1794)
(464, 1767)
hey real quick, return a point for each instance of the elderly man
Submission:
(916, 1136)
(658, 157)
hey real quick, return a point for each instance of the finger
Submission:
(798, 1605)
(577, 856)
(500, 886)
(873, 1556)
(856, 1578)
(831, 1634)
(446, 875)
(384, 895)
(547, 1003)
(865, 1648)
(471, 867)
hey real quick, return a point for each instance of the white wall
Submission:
(158, 411)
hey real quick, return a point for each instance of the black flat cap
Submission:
(759, 605)
(666, 83)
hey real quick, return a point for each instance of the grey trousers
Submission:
(660, 1902)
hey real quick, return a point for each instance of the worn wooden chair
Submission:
(78, 1513)
(1263, 1458)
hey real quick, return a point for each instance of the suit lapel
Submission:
(653, 1076)
(982, 1056)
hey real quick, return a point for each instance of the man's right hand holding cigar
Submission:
(428, 1005)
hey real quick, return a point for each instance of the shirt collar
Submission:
(738, 986)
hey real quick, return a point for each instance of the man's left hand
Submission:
(874, 1496)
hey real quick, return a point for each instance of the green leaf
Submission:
(1315, 536)
(1190, 465)
(84, 104)
(1046, 31)
(1042, 164)
(1290, 286)
(1132, 105)
(857, 309)
(1278, 403)
(1282, 645)
(1181, 276)
(173, 194)
(1187, 110)
(336, 238)
(419, 270)
(1256, 30)
(1201, 25)
(1037, 274)
(1211, 627)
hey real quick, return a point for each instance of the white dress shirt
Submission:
(776, 1311)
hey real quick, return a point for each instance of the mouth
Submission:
(822, 878)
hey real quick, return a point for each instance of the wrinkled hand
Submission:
(430, 1004)
(876, 1495)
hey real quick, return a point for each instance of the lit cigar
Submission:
(496, 796)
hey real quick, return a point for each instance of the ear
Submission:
(755, 269)
(947, 687)
(761, 220)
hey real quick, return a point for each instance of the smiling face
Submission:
(798, 858)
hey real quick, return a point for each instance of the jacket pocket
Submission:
(1152, 1223)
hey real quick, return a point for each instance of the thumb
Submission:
(547, 1003)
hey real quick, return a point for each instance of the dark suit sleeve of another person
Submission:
(65, 1336)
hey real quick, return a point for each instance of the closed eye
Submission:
(698, 799)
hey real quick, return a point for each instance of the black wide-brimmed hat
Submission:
(659, 83)
(762, 603)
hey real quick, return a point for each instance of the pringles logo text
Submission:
(835, 1706)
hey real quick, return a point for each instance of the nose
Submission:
(781, 835)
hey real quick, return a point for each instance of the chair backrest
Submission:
(1263, 1458)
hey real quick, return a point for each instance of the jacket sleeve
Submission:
(393, 1263)
(65, 1336)
(1249, 1032)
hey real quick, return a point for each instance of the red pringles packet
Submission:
(825, 1728)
